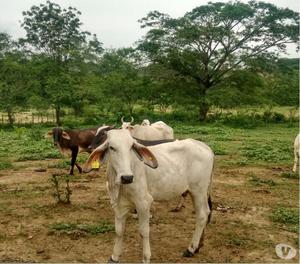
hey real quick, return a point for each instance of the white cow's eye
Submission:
(113, 149)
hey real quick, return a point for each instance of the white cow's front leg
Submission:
(120, 222)
(143, 210)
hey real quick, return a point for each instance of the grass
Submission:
(21, 144)
(93, 229)
(285, 216)
(289, 217)
(275, 151)
(265, 147)
(256, 181)
(4, 165)
(290, 175)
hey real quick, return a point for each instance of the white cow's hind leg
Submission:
(202, 211)
(295, 161)
(143, 210)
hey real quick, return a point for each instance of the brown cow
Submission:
(72, 142)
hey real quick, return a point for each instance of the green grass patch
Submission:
(279, 151)
(287, 216)
(93, 229)
(256, 181)
(218, 148)
(5, 165)
(290, 175)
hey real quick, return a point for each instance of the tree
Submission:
(55, 35)
(282, 82)
(13, 91)
(210, 42)
(121, 83)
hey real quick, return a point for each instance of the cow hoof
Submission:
(187, 254)
(87, 171)
(197, 250)
(112, 261)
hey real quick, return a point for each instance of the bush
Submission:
(92, 115)
(71, 122)
(20, 131)
(36, 133)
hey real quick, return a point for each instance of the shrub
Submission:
(20, 131)
(36, 133)
(72, 122)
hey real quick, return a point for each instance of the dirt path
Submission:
(241, 230)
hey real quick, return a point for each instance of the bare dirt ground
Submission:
(241, 229)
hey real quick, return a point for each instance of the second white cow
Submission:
(137, 175)
(147, 131)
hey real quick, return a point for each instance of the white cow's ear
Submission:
(65, 135)
(146, 155)
(96, 155)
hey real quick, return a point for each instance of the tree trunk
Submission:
(10, 115)
(57, 115)
(203, 105)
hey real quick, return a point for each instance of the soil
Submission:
(241, 229)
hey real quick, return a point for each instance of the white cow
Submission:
(296, 152)
(147, 131)
(137, 175)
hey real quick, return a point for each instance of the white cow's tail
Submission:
(209, 201)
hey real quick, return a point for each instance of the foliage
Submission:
(61, 50)
(212, 40)
(12, 77)
(62, 196)
(217, 55)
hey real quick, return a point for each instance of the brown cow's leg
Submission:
(78, 167)
(73, 160)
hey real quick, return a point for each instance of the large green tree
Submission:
(13, 88)
(55, 35)
(210, 42)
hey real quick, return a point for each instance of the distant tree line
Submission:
(219, 54)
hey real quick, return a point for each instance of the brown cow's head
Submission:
(58, 134)
(100, 136)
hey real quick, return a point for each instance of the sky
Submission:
(114, 21)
